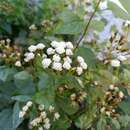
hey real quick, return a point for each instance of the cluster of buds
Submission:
(115, 52)
(43, 121)
(59, 57)
(78, 97)
(112, 98)
(32, 49)
(25, 109)
(10, 53)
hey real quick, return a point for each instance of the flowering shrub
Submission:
(64, 65)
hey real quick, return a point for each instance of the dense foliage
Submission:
(64, 65)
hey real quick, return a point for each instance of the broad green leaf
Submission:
(86, 119)
(5, 100)
(124, 120)
(21, 98)
(101, 125)
(6, 119)
(16, 120)
(45, 80)
(115, 124)
(70, 24)
(62, 124)
(63, 101)
(46, 96)
(24, 83)
(6, 73)
(118, 12)
(72, 28)
(125, 107)
(97, 25)
(119, 4)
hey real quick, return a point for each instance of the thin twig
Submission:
(87, 26)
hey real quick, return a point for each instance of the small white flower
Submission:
(68, 59)
(46, 121)
(56, 58)
(29, 103)
(55, 44)
(40, 128)
(41, 107)
(18, 64)
(108, 113)
(121, 58)
(60, 50)
(57, 66)
(69, 45)
(32, 48)
(51, 108)
(83, 65)
(43, 115)
(44, 56)
(121, 94)
(63, 44)
(47, 126)
(46, 62)
(103, 5)
(25, 108)
(115, 63)
(80, 59)
(56, 116)
(33, 27)
(21, 114)
(66, 65)
(40, 46)
(69, 52)
(102, 109)
(50, 51)
(26, 59)
(111, 87)
(29, 56)
(79, 70)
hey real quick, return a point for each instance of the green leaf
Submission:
(5, 100)
(21, 98)
(65, 104)
(62, 124)
(45, 81)
(70, 24)
(6, 119)
(16, 120)
(101, 125)
(88, 55)
(124, 120)
(24, 83)
(97, 25)
(126, 4)
(6, 73)
(118, 11)
(115, 124)
(72, 28)
(85, 120)
(46, 97)
(125, 107)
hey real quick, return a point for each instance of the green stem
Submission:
(87, 26)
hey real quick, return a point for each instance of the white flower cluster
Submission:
(25, 109)
(43, 121)
(59, 57)
(31, 54)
